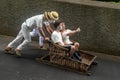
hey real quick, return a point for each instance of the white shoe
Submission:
(17, 52)
(43, 48)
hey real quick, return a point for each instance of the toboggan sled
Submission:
(58, 56)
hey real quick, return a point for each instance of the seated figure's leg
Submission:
(76, 44)
(72, 50)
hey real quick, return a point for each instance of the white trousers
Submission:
(34, 33)
(24, 33)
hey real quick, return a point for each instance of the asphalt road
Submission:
(27, 68)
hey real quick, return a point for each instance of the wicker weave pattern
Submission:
(56, 49)
(59, 55)
(70, 63)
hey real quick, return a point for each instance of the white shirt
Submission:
(36, 21)
(57, 37)
(65, 37)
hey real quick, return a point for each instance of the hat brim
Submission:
(52, 17)
(46, 15)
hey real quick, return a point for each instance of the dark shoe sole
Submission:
(10, 53)
(95, 63)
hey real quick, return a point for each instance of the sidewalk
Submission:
(26, 68)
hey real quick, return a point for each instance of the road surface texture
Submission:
(27, 68)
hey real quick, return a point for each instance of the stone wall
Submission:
(100, 26)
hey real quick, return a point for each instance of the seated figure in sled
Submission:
(66, 33)
(61, 37)
(62, 53)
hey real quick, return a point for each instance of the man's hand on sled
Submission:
(47, 39)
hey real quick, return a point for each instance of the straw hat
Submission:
(51, 15)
